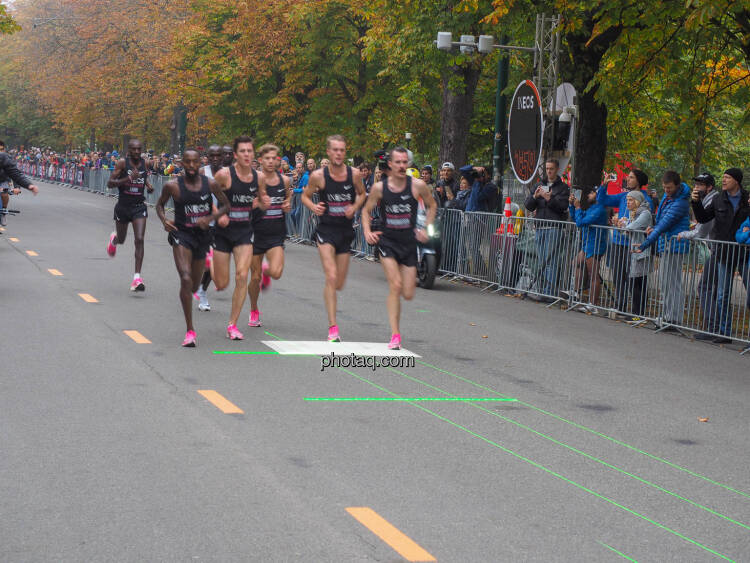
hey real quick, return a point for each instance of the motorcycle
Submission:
(429, 253)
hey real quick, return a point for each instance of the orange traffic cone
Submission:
(507, 227)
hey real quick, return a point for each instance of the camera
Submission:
(382, 157)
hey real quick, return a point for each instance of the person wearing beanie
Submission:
(729, 209)
(706, 186)
(619, 251)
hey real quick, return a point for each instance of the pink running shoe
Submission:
(111, 247)
(189, 341)
(265, 281)
(138, 285)
(395, 343)
(233, 333)
(254, 319)
(333, 334)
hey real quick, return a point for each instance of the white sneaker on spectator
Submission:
(591, 309)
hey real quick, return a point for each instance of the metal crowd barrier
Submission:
(708, 289)
(90, 179)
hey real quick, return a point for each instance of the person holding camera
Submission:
(590, 217)
(549, 200)
(729, 209)
(705, 185)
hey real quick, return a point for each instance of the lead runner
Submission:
(342, 193)
(397, 196)
(188, 232)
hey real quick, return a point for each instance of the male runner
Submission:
(341, 195)
(209, 170)
(130, 177)
(188, 232)
(269, 227)
(234, 233)
(398, 196)
(227, 156)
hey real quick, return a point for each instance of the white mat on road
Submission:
(322, 348)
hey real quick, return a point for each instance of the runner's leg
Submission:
(183, 259)
(139, 231)
(243, 255)
(221, 266)
(395, 288)
(275, 257)
(408, 282)
(328, 260)
(121, 229)
(256, 273)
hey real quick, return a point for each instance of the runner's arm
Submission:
(425, 193)
(314, 185)
(114, 179)
(360, 189)
(168, 191)
(221, 197)
(287, 205)
(262, 201)
(376, 192)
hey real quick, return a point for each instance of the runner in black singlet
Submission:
(188, 232)
(270, 227)
(341, 194)
(234, 233)
(397, 196)
(209, 170)
(130, 177)
(227, 156)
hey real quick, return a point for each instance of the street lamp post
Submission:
(485, 45)
(407, 136)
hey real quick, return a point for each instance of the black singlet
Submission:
(241, 196)
(398, 211)
(272, 219)
(192, 205)
(337, 196)
(132, 193)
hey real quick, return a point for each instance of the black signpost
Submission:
(525, 131)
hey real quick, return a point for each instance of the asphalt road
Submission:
(109, 453)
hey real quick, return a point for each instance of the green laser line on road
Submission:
(582, 453)
(247, 352)
(447, 399)
(592, 431)
(617, 552)
(598, 495)
(547, 470)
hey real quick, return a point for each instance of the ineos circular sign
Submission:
(525, 131)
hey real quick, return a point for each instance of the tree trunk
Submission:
(456, 113)
(580, 68)
(591, 141)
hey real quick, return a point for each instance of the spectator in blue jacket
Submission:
(672, 218)
(591, 218)
(619, 250)
(742, 236)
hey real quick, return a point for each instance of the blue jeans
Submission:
(548, 247)
(725, 276)
(707, 294)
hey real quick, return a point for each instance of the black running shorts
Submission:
(265, 243)
(226, 239)
(404, 252)
(125, 213)
(197, 241)
(340, 238)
